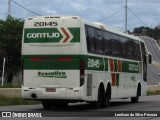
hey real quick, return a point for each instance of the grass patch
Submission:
(16, 101)
(153, 92)
(9, 85)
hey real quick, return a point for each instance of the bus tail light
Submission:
(36, 58)
(82, 71)
(51, 59)
(65, 59)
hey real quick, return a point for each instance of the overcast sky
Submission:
(148, 11)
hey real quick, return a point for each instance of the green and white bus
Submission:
(68, 59)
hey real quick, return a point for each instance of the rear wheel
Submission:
(47, 104)
(136, 99)
(61, 104)
(106, 101)
(98, 104)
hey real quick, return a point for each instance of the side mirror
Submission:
(159, 74)
(149, 58)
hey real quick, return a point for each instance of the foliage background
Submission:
(10, 45)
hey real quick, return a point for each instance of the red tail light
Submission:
(65, 59)
(82, 71)
(82, 67)
(36, 59)
(51, 59)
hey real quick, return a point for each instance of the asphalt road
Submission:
(83, 110)
(152, 48)
(154, 69)
(153, 77)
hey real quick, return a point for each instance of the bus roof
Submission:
(52, 17)
(113, 30)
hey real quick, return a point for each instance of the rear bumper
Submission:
(59, 94)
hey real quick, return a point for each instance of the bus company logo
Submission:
(133, 67)
(43, 35)
(55, 74)
(56, 35)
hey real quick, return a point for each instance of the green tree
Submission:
(10, 45)
(143, 31)
(146, 31)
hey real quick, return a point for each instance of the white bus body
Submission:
(69, 59)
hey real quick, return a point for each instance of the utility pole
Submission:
(126, 17)
(9, 7)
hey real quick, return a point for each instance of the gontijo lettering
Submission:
(43, 35)
(133, 67)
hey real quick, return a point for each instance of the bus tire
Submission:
(136, 99)
(106, 101)
(98, 104)
(47, 104)
(107, 97)
(61, 104)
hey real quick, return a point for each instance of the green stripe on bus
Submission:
(95, 63)
(106, 64)
(117, 79)
(130, 67)
(115, 65)
(76, 34)
(91, 63)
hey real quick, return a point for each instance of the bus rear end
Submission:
(52, 66)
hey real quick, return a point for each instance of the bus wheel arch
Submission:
(139, 88)
(107, 96)
(109, 90)
(136, 98)
(100, 97)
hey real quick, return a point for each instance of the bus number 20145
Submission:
(93, 63)
(37, 24)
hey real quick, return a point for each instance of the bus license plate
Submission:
(50, 89)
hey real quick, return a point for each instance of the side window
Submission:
(137, 51)
(133, 50)
(95, 40)
(87, 38)
(116, 46)
(144, 61)
(143, 52)
(130, 49)
(124, 47)
(106, 43)
(91, 39)
(99, 40)
(107, 39)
